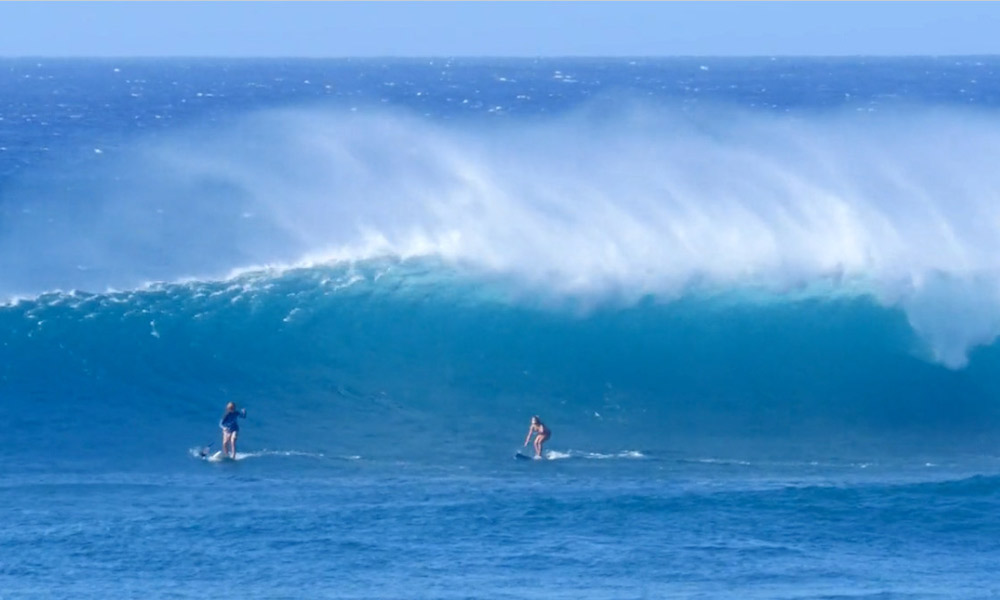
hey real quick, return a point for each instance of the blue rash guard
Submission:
(229, 420)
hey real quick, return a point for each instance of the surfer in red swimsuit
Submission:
(544, 433)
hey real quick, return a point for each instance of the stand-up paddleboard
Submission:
(219, 456)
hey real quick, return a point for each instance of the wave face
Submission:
(633, 248)
(340, 359)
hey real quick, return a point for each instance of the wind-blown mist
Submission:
(596, 206)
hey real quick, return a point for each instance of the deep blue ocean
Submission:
(755, 300)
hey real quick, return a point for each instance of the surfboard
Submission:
(519, 456)
(219, 457)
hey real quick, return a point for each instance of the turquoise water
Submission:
(755, 300)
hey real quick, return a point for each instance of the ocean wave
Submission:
(601, 208)
(394, 348)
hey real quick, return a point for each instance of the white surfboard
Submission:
(219, 456)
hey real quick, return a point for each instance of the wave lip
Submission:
(646, 201)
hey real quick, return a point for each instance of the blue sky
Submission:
(335, 29)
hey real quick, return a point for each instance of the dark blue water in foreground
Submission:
(756, 301)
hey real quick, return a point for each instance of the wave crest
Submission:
(643, 202)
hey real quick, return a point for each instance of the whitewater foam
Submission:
(203, 452)
(614, 208)
(582, 454)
